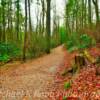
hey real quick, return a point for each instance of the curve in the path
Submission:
(30, 81)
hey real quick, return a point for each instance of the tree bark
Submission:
(89, 13)
(48, 26)
(3, 21)
(95, 2)
(17, 23)
(25, 37)
(29, 11)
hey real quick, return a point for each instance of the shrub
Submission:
(8, 51)
(63, 34)
(67, 85)
(86, 41)
(79, 42)
(4, 58)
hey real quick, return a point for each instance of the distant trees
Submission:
(35, 36)
(82, 13)
(82, 16)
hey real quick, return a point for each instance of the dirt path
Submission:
(30, 81)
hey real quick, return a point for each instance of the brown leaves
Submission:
(85, 85)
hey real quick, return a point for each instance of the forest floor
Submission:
(41, 79)
(31, 80)
(84, 85)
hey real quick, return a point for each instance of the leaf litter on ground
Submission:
(84, 86)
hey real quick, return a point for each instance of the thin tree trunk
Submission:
(3, 21)
(17, 23)
(29, 11)
(95, 2)
(82, 24)
(48, 25)
(85, 14)
(43, 15)
(25, 36)
(89, 12)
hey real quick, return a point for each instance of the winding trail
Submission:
(31, 80)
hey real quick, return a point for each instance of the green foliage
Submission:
(8, 51)
(38, 46)
(4, 58)
(79, 42)
(63, 35)
(54, 43)
(64, 98)
(70, 44)
(67, 85)
(86, 41)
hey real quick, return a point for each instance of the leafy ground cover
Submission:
(84, 85)
(8, 51)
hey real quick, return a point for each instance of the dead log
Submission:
(66, 71)
(77, 64)
(89, 57)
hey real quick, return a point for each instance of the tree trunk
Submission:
(43, 14)
(82, 24)
(48, 26)
(3, 21)
(25, 36)
(17, 23)
(29, 11)
(79, 61)
(89, 13)
(95, 2)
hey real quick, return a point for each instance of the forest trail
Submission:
(31, 80)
